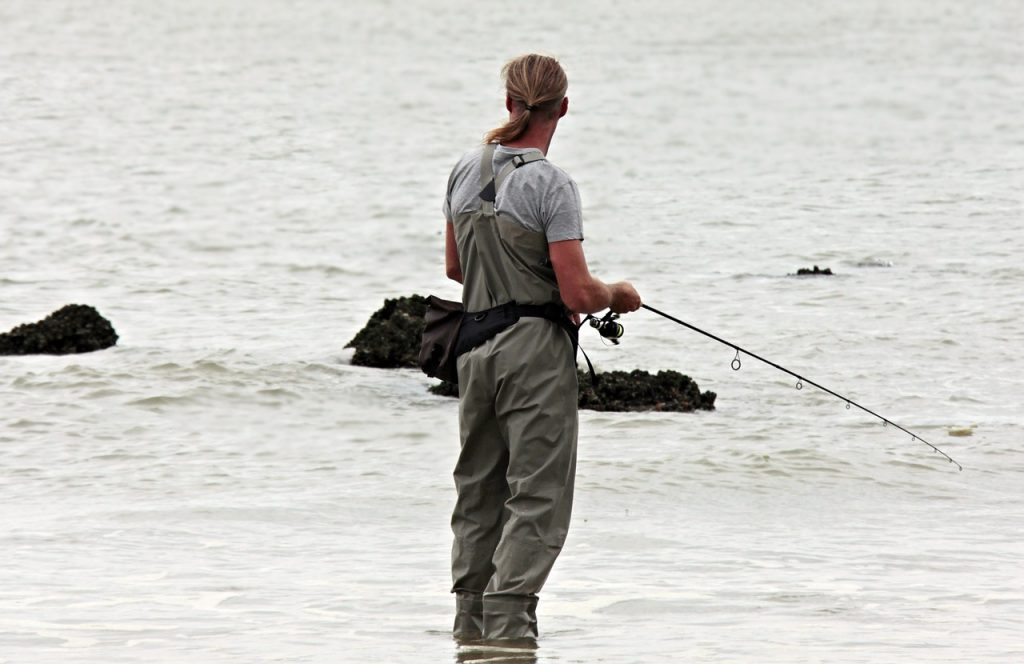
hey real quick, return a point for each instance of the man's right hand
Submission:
(624, 297)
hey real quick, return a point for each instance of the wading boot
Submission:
(511, 619)
(469, 616)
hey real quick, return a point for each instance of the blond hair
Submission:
(537, 83)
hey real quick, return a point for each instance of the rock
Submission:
(444, 389)
(635, 390)
(391, 338)
(639, 390)
(74, 328)
(804, 271)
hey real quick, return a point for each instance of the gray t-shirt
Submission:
(540, 196)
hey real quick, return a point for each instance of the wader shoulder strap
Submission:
(487, 164)
(517, 161)
(489, 184)
(487, 188)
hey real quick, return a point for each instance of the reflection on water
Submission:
(503, 652)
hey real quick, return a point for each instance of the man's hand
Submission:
(624, 298)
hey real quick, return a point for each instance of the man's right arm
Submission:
(583, 293)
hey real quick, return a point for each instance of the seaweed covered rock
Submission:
(74, 328)
(391, 338)
(639, 390)
(816, 271)
(630, 391)
(444, 389)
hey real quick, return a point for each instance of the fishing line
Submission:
(800, 380)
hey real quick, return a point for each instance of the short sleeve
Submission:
(563, 214)
(446, 207)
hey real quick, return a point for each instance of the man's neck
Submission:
(537, 136)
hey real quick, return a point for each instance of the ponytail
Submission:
(537, 84)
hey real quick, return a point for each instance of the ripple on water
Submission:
(161, 401)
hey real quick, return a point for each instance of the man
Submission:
(514, 238)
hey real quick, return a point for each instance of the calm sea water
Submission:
(237, 186)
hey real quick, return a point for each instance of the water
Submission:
(237, 186)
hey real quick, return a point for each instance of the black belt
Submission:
(480, 326)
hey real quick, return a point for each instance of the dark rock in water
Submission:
(391, 338)
(639, 390)
(444, 389)
(74, 328)
(816, 271)
(630, 391)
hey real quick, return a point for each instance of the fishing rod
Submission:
(609, 328)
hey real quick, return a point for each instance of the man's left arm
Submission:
(452, 267)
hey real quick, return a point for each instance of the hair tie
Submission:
(531, 107)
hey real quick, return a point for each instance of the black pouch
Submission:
(481, 326)
(442, 323)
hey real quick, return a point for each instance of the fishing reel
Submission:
(608, 326)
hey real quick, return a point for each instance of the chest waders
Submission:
(517, 424)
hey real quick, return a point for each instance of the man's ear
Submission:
(565, 107)
(508, 103)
